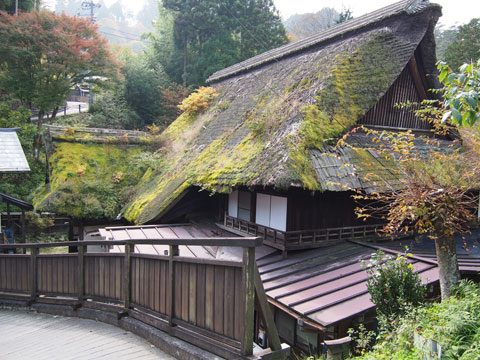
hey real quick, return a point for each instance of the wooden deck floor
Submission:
(25, 335)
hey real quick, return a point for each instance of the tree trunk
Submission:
(447, 264)
(184, 76)
(37, 140)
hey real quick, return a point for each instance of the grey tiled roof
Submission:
(341, 30)
(12, 158)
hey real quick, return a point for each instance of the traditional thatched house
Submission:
(261, 161)
(266, 141)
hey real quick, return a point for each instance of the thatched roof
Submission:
(273, 109)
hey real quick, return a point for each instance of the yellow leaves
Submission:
(118, 177)
(81, 169)
(199, 100)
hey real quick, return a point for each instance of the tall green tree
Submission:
(23, 5)
(230, 30)
(466, 47)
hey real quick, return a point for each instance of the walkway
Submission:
(27, 335)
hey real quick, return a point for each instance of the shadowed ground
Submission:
(28, 335)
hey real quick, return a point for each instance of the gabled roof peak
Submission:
(340, 30)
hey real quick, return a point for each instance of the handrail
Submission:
(245, 242)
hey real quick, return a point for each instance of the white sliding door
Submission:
(233, 204)
(271, 211)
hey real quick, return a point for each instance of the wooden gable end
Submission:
(387, 114)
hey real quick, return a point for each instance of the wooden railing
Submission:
(303, 239)
(206, 302)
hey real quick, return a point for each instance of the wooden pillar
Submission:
(33, 274)
(173, 251)
(24, 238)
(81, 274)
(266, 313)
(127, 283)
(249, 288)
(9, 217)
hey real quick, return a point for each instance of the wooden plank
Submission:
(127, 285)
(118, 279)
(163, 286)
(209, 296)
(248, 285)
(229, 303)
(185, 292)
(239, 305)
(219, 293)
(33, 274)
(157, 293)
(172, 252)
(200, 296)
(81, 273)
(192, 298)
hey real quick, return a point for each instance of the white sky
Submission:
(455, 12)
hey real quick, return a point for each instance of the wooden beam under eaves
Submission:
(417, 78)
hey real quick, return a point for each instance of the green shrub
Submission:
(394, 286)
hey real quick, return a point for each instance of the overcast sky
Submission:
(454, 11)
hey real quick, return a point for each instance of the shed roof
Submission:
(326, 286)
(261, 127)
(12, 157)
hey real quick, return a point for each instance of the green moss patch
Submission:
(90, 181)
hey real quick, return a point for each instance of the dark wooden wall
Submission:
(321, 210)
(386, 113)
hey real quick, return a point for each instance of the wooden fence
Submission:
(209, 303)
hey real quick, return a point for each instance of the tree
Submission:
(461, 93)
(436, 196)
(345, 15)
(195, 38)
(23, 5)
(43, 55)
(466, 47)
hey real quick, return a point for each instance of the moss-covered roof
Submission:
(262, 126)
(90, 181)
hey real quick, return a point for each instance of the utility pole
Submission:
(90, 6)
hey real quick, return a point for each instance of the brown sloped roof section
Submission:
(261, 126)
(181, 231)
(327, 286)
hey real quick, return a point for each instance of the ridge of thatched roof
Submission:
(263, 123)
(341, 30)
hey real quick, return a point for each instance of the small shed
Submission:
(12, 159)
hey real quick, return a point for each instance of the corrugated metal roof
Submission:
(12, 157)
(340, 30)
(184, 231)
(327, 286)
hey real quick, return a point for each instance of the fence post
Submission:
(129, 249)
(249, 287)
(173, 251)
(33, 274)
(79, 108)
(81, 274)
